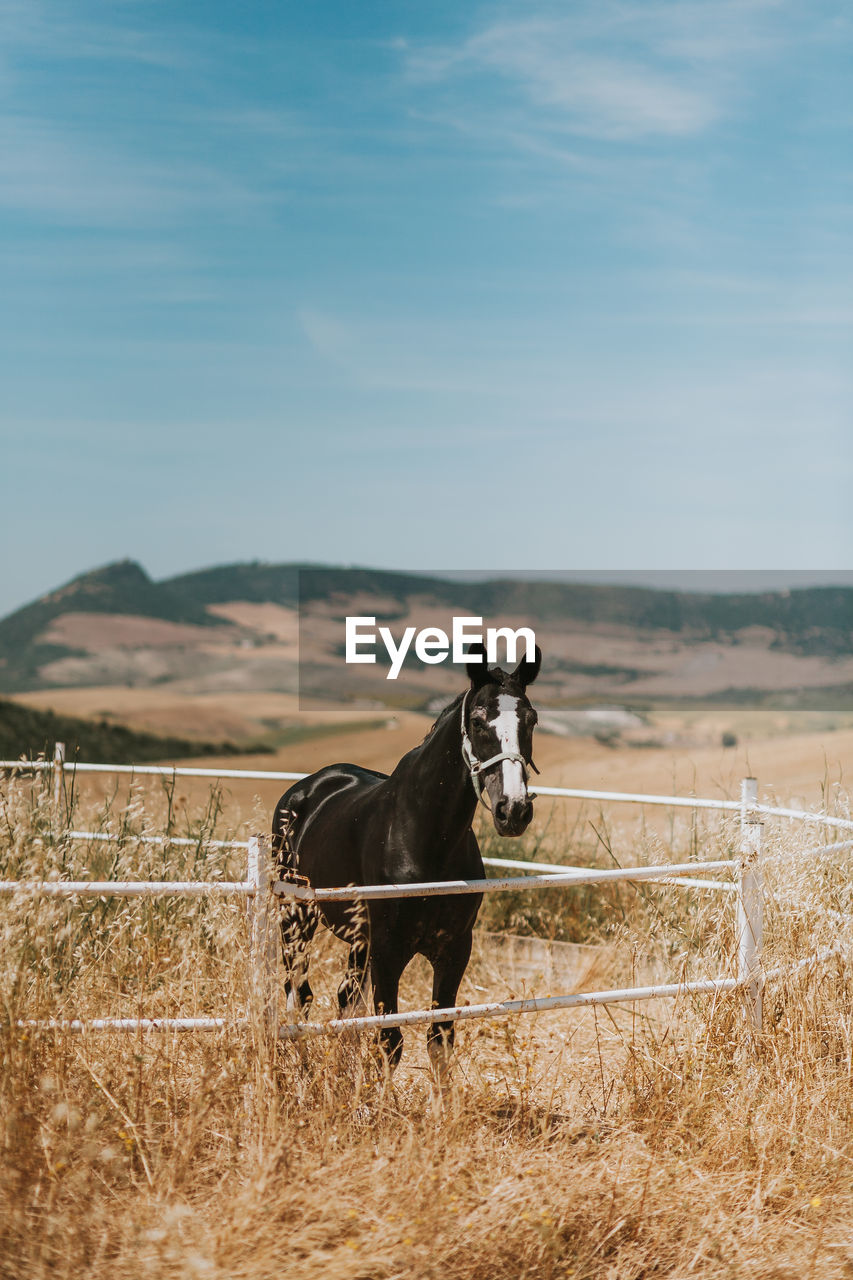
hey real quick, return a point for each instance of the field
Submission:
(654, 1140)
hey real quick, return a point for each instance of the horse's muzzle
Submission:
(512, 817)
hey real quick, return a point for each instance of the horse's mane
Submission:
(452, 709)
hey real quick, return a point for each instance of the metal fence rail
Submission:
(61, 766)
(665, 874)
(417, 1017)
(126, 888)
(417, 889)
(448, 888)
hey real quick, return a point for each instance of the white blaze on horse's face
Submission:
(502, 732)
(506, 729)
(499, 750)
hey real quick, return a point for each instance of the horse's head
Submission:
(497, 739)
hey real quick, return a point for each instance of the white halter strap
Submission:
(475, 766)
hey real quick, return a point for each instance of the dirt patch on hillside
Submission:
(269, 620)
(95, 631)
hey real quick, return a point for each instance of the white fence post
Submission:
(750, 916)
(263, 940)
(58, 771)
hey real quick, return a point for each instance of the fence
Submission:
(263, 890)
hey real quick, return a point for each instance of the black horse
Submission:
(347, 825)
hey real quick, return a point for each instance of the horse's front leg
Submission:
(386, 967)
(448, 968)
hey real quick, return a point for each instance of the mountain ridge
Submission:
(35, 643)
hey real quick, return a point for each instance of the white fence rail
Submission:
(262, 890)
(63, 766)
(448, 888)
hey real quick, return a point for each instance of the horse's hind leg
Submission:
(448, 969)
(351, 990)
(298, 923)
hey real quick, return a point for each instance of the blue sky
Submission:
(425, 285)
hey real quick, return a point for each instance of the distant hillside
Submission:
(234, 626)
(810, 620)
(254, 582)
(121, 588)
(28, 732)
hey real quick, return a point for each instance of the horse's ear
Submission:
(478, 671)
(526, 672)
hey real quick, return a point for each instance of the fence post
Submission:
(263, 940)
(750, 915)
(58, 772)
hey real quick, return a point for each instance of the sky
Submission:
(512, 287)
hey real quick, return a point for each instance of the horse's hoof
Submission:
(441, 1057)
(299, 1005)
(353, 1008)
(389, 1052)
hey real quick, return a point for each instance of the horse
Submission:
(347, 825)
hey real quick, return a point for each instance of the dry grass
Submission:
(624, 1143)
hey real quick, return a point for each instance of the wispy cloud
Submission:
(385, 355)
(390, 352)
(594, 94)
(66, 176)
(554, 386)
(612, 71)
(69, 156)
(31, 28)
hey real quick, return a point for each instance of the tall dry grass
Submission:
(660, 1140)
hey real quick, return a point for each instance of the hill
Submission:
(236, 628)
(809, 620)
(27, 732)
(116, 589)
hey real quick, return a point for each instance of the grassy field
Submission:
(654, 1140)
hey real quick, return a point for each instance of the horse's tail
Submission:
(283, 845)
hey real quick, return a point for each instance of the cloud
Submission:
(600, 96)
(66, 176)
(610, 71)
(29, 27)
(388, 355)
(402, 352)
(92, 105)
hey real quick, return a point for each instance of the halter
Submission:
(476, 766)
